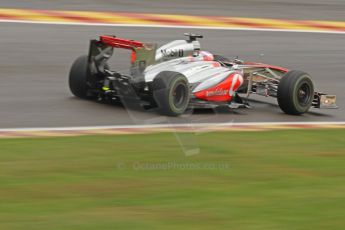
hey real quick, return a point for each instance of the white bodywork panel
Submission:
(186, 58)
(195, 71)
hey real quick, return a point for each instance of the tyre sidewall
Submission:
(78, 77)
(163, 88)
(302, 108)
(180, 80)
(288, 92)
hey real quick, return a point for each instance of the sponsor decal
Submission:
(217, 92)
(173, 53)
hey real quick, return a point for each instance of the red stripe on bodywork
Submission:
(261, 65)
(219, 92)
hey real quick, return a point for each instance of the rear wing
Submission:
(120, 42)
(100, 51)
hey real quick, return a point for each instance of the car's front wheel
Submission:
(295, 92)
(171, 93)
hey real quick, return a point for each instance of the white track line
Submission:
(189, 125)
(172, 26)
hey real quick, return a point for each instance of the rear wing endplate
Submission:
(143, 54)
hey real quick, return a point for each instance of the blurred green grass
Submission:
(292, 179)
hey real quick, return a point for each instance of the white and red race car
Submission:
(179, 75)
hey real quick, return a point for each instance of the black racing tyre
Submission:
(171, 93)
(295, 92)
(77, 77)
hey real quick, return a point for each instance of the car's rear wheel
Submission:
(171, 93)
(295, 92)
(78, 77)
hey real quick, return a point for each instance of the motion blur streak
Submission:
(165, 20)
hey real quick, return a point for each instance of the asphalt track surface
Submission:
(35, 60)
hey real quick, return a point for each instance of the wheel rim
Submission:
(179, 95)
(303, 94)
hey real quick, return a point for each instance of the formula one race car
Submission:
(180, 75)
